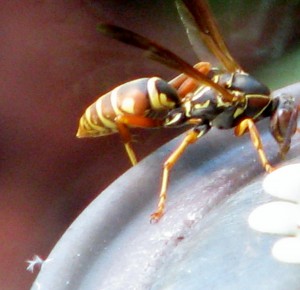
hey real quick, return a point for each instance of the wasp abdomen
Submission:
(142, 97)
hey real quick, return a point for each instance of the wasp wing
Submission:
(194, 34)
(160, 54)
(200, 24)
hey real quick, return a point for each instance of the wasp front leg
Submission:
(241, 128)
(123, 123)
(190, 138)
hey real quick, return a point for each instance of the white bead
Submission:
(287, 250)
(276, 217)
(284, 183)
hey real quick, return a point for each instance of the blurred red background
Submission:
(53, 65)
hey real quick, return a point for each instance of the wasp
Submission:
(201, 97)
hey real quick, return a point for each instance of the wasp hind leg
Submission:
(241, 128)
(126, 138)
(124, 122)
(191, 137)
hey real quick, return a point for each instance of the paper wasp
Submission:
(202, 97)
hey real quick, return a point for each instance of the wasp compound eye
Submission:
(283, 123)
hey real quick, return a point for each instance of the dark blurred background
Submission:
(54, 64)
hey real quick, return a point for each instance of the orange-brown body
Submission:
(149, 98)
(201, 97)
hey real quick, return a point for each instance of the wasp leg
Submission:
(190, 138)
(185, 84)
(125, 121)
(126, 138)
(241, 128)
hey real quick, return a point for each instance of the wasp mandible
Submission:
(201, 97)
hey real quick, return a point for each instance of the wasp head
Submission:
(283, 123)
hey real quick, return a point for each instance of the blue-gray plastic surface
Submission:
(202, 242)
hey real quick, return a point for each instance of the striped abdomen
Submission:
(149, 97)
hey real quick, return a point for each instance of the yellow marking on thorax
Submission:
(221, 103)
(202, 106)
(238, 112)
(174, 120)
(230, 81)
(187, 107)
(216, 78)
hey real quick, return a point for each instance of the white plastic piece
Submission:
(284, 183)
(35, 262)
(287, 250)
(276, 217)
